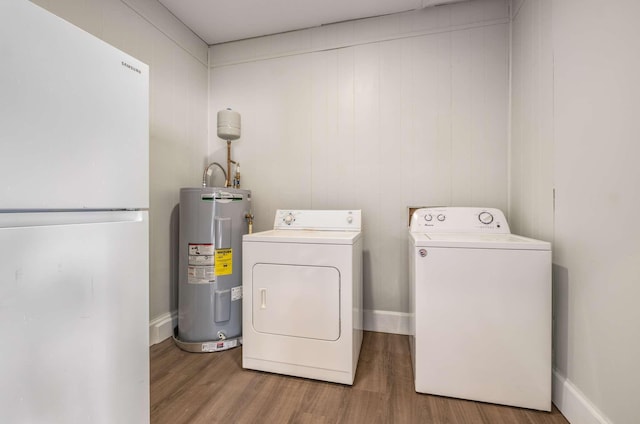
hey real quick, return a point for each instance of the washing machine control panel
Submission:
(459, 220)
(324, 220)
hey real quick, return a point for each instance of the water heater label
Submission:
(201, 274)
(201, 268)
(201, 249)
(224, 262)
(236, 293)
(200, 260)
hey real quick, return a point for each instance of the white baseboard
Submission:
(386, 321)
(161, 328)
(573, 404)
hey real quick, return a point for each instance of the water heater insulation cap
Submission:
(228, 124)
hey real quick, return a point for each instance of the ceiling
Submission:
(219, 21)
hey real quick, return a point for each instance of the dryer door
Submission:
(296, 300)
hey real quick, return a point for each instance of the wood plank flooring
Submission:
(213, 388)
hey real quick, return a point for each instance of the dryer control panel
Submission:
(323, 220)
(459, 220)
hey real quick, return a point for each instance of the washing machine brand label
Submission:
(224, 261)
(201, 268)
(236, 293)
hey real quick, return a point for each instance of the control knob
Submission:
(485, 217)
(288, 219)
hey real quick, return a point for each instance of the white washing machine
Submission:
(302, 295)
(480, 308)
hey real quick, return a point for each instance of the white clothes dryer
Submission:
(302, 295)
(480, 308)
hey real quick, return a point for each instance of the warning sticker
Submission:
(201, 268)
(223, 262)
(236, 293)
(200, 260)
(201, 249)
(201, 274)
(216, 346)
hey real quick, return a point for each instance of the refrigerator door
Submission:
(74, 117)
(74, 314)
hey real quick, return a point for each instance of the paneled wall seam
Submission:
(510, 112)
(514, 13)
(163, 32)
(356, 43)
(553, 133)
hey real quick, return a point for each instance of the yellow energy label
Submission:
(224, 261)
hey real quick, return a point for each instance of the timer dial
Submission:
(485, 217)
(288, 219)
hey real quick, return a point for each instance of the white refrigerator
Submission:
(74, 267)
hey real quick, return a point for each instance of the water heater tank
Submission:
(228, 124)
(212, 223)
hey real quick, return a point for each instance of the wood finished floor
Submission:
(213, 388)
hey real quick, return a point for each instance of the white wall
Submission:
(531, 144)
(178, 115)
(378, 114)
(594, 127)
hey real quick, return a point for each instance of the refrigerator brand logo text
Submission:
(133, 68)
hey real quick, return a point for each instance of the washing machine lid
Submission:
(478, 241)
(304, 236)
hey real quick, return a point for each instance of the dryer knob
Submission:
(288, 219)
(428, 217)
(441, 217)
(349, 219)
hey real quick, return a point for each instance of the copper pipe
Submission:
(229, 162)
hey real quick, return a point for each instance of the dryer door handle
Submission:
(263, 298)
